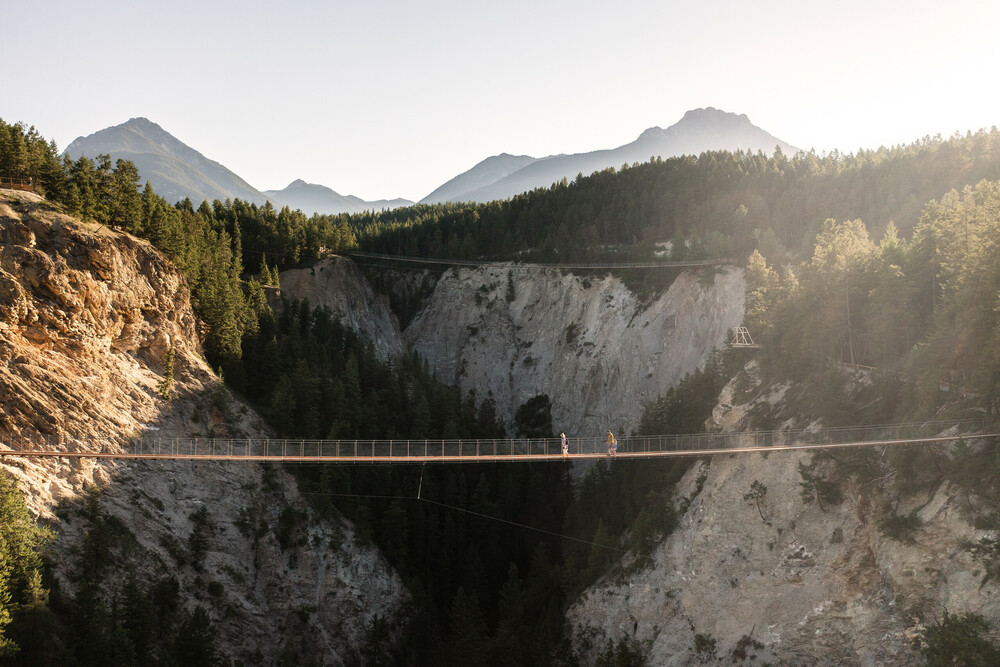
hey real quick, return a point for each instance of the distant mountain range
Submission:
(176, 170)
(310, 198)
(700, 130)
(484, 174)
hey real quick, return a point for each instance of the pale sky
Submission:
(391, 98)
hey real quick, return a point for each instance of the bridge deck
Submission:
(495, 450)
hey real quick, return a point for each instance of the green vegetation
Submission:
(923, 309)
(626, 653)
(685, 407)
(756, 494)
(917, 321)
(958, 639)
(23, 598)
(533, 418)
(164, 386)
(315, 378)
(112, 618)
(816, 487)
(705, 647)
(202, 529)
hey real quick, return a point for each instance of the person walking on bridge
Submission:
(565, 445)
(612, 444)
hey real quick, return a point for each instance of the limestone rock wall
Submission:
(589, 343)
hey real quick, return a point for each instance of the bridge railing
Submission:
(17, 183)
(482, 449)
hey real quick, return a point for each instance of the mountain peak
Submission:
(712, 129)
(713, 114)
(142, 126)
(174, 169)
(701, 120)
(700, 130)
(142, 121)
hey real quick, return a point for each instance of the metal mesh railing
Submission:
(479, 449)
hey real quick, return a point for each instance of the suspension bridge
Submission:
(494, 449)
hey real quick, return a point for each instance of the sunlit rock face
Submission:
(87, 316)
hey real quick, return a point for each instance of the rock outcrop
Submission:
(87, 316)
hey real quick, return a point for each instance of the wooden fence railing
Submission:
(16, 183)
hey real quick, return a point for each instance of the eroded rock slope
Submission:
(86, 318)
(337, 284)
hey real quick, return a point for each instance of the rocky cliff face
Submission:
(86, 318)
(588, 343)
(800, 586)
(512, 332)
(337, 284)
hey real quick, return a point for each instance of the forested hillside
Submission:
(921, 310)
(717, 204)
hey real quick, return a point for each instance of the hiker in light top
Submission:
(565, 444)
(612, 444)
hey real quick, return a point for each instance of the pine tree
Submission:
(164, 387)
(195, 642)
(20, 561)
(126, 205)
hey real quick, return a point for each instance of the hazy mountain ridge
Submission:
(314, 198)
(488, 171)
(174, 169)
(698, 131)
